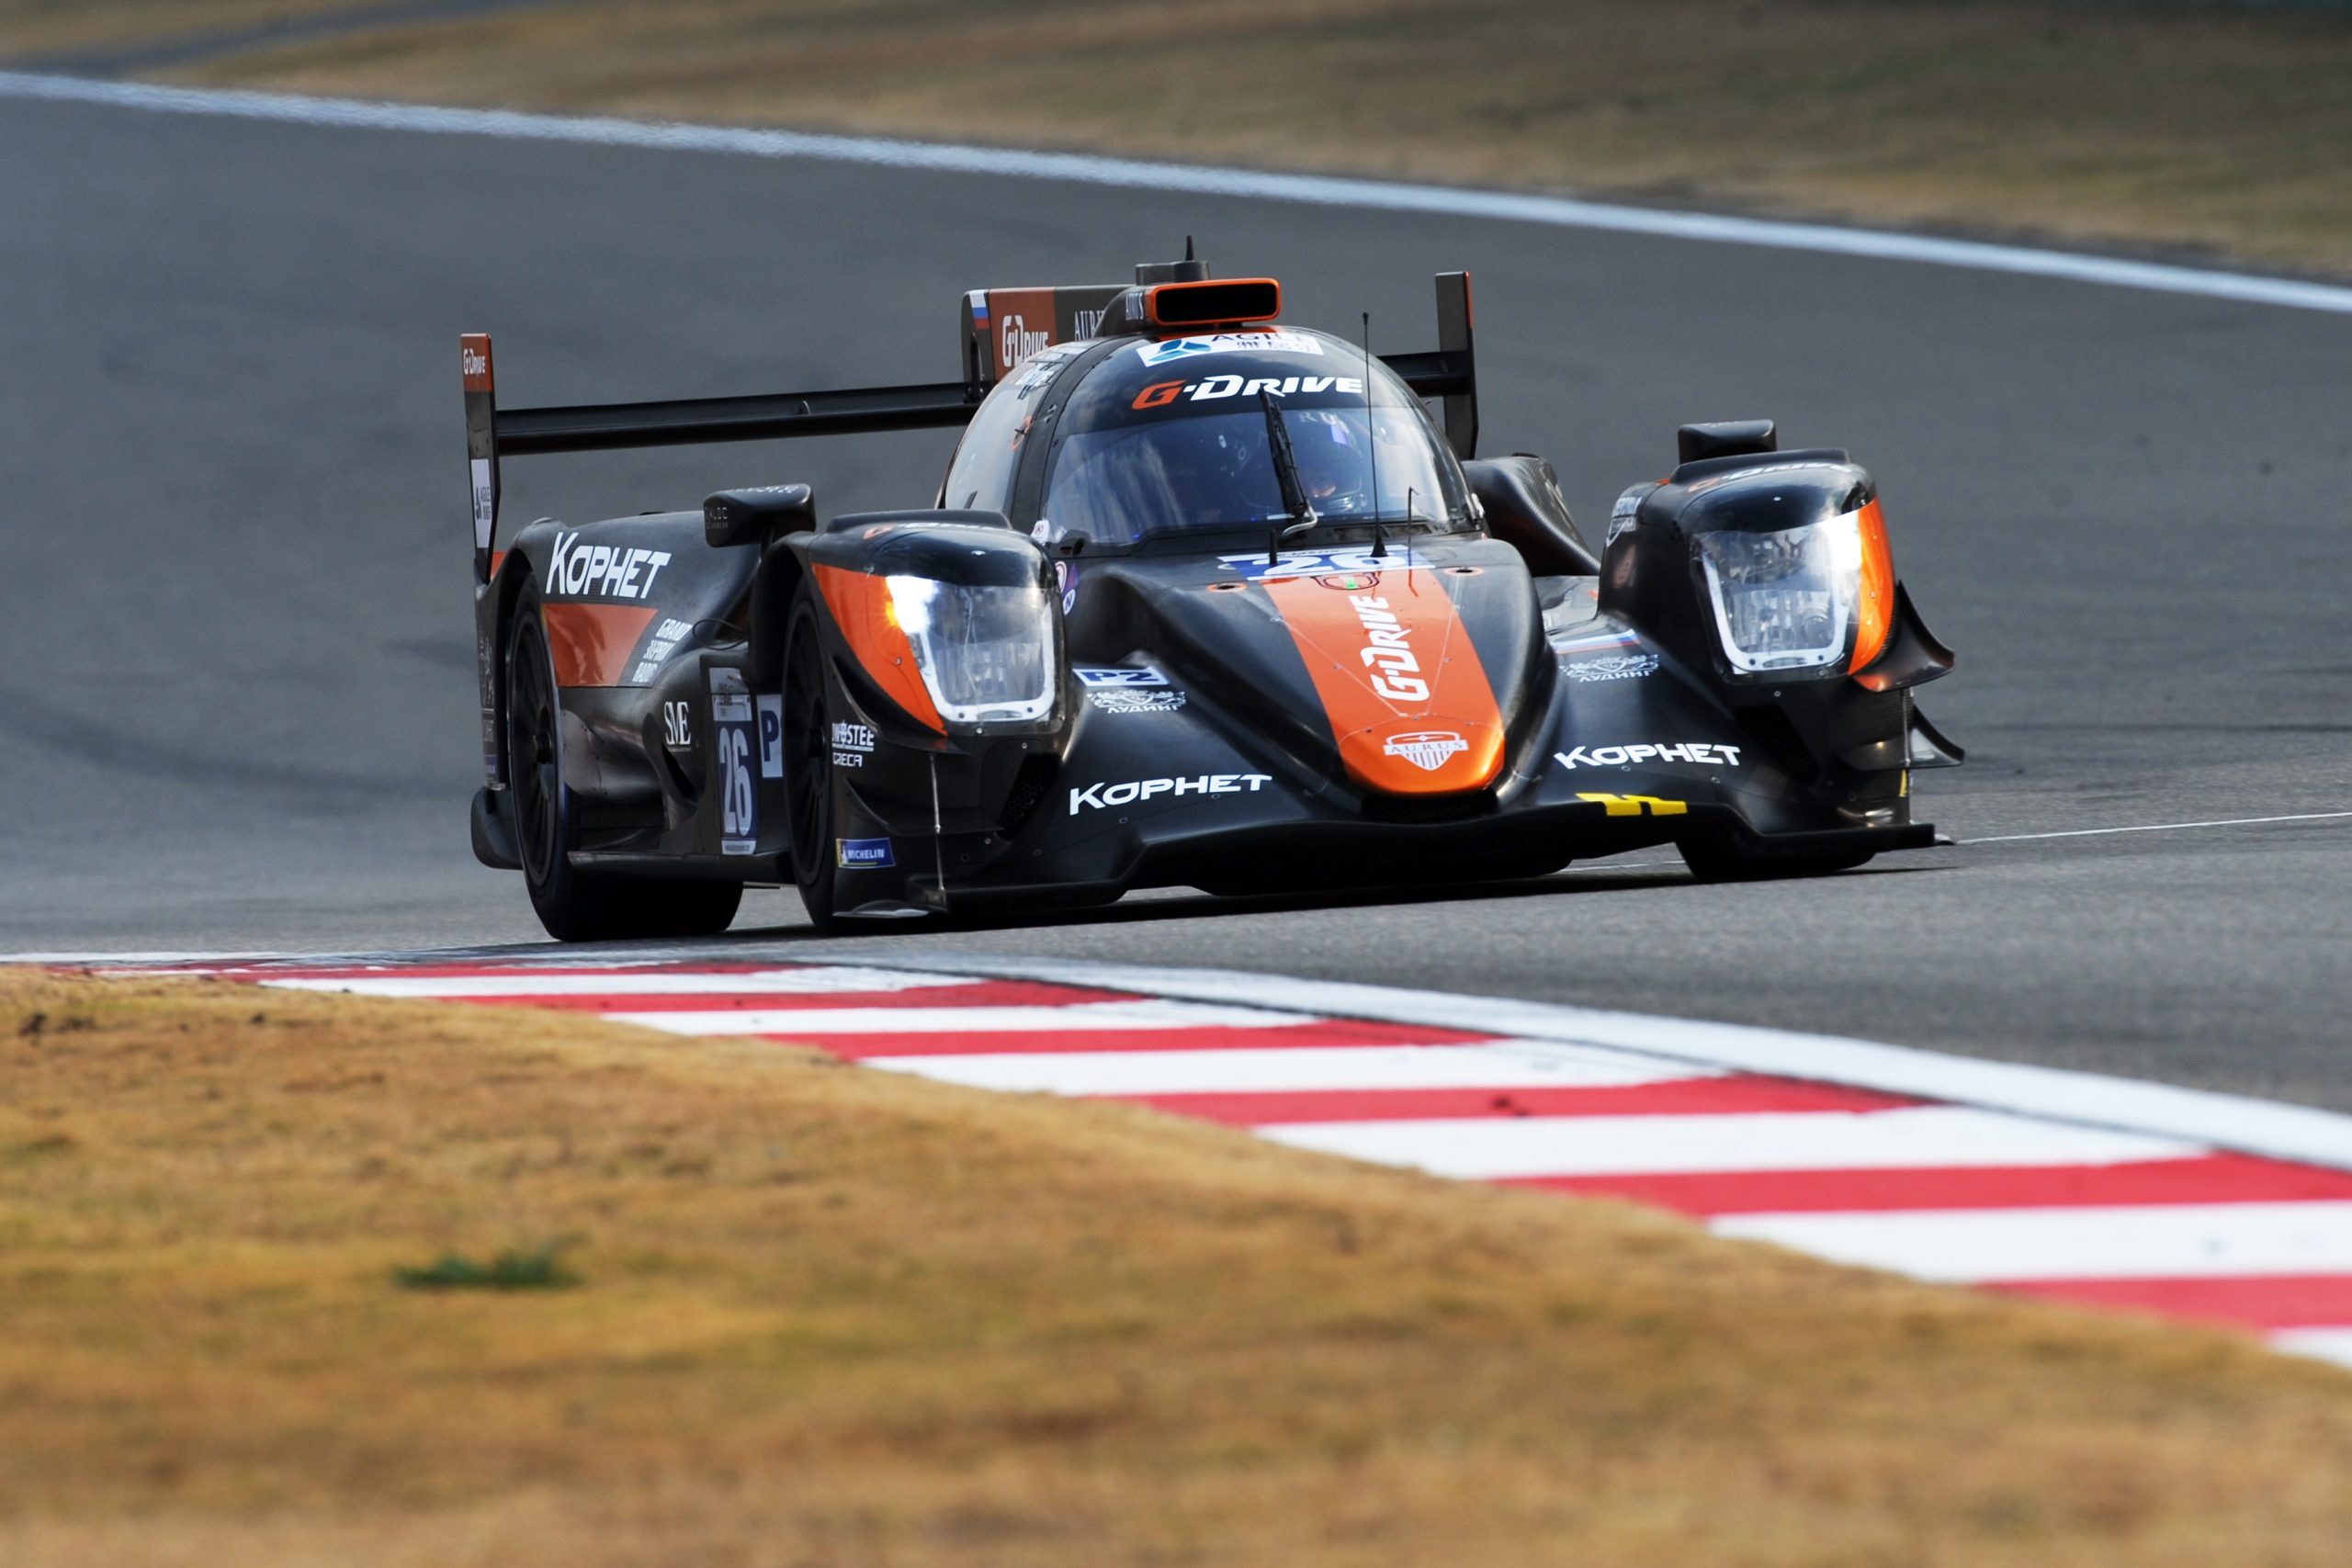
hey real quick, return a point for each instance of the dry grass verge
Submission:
(2181, 126)
(805, 1313)
(30, 30)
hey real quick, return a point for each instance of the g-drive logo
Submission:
(1159, 394)
(1399, 676)
(1017, 342)
(606, 570)
(1097, 795)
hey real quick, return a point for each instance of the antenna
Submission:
(1372, 447)
(1188, 248)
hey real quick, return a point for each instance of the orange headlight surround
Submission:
(1874, 605)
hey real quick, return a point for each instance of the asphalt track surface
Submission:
(237, 707)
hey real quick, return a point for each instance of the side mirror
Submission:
(1731, 438)
(754, 516)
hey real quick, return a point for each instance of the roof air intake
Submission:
(1213, 303)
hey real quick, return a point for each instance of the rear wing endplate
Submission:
(991, 350)
(1451, 373)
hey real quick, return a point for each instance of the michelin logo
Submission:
(1628, 756)
(607, 570)
(1094, 797)
(854, 853)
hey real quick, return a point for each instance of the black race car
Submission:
(1203, 600)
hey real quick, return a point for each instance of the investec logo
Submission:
(1389, 651)
(607, 569)
(1094, 797)
(1427, 750)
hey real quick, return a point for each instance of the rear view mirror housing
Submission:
(754, 516)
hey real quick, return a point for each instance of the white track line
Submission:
(1562, 212)
(2161, 827)
(1923, 1137)
(2223, 1120)
(1296, 1070)
(765, 982)
(2324, 1344)
(806, 1023)
(2152, 1242)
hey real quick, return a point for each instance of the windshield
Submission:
(1163, 454)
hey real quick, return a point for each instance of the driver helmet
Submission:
(1334, 468)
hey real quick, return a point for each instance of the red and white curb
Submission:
(2068, 1185)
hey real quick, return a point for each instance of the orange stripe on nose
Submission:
(1399, 679)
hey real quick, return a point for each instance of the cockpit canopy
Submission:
(1170, 437)
(1165, 438)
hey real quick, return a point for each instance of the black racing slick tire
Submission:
(808, 766)
(1726, 860)
(572, 904)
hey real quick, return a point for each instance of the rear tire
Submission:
(809, 767)
(1726, 860)
(575, 905)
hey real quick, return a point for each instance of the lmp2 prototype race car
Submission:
(1202, 601)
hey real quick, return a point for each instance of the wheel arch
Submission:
(515, 574)
(775, 586)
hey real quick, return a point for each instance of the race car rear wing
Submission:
(493, 434)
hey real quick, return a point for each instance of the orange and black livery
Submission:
(1202, 597)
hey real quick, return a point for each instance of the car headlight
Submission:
(987, 654)
(1806, 598)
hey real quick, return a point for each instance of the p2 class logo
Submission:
(1097, 676)
(771, 708)
(1427, 750)
(734, 731)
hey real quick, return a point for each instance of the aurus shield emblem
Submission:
(1426, 749)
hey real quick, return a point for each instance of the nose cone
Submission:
(1433, 754)
(1400, 681)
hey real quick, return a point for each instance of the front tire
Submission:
(809, 767)
(575, 905)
